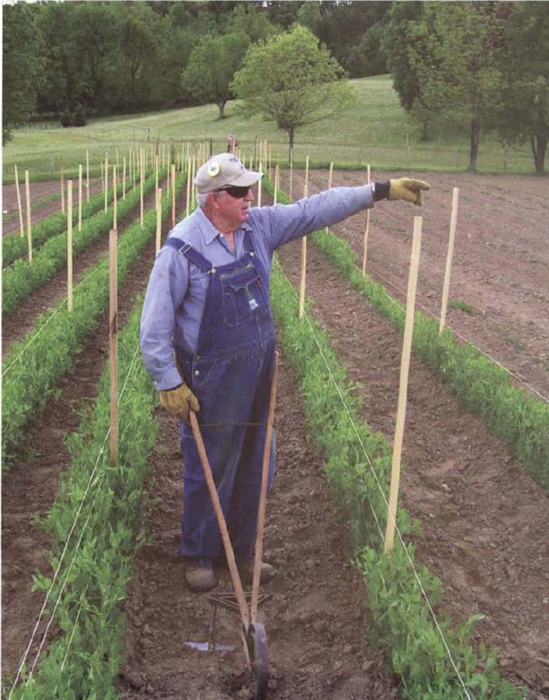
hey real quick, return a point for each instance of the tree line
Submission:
(475, 66)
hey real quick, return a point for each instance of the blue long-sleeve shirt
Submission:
(176, 292)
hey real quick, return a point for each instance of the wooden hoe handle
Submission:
(235, 576)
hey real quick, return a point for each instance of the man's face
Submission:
(234, 211)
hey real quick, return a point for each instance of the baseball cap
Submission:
(224, 170)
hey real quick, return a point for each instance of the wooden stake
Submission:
(304, 249)
(403, 388)
(173, 195)
(263, 496)
(29, 224)
(141, 159)
(22, 226)
(188, 185)
(113, 333)
(124, 179)
(87, 176)
(158, 218)
(291, 171)
(366, 232)
(106, 182)
(80, 197)
(62, 184)
(114, 198)
(276, 184)
(446, 287)
(259, 185)
(69, 245)
(331, 174)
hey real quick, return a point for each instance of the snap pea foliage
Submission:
(434, 660)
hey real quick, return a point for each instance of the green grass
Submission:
(462, 306)
(376, 131)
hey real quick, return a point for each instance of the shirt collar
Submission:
(209, 231)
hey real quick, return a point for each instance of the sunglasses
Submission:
(236, 192)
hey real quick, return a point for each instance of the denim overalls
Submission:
(230, 373)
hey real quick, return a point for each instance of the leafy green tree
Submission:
(310, 16)
(80, 40)
(138, 27)
(523, 114)
(23, 62)
(343, 26)
(402, 38)
(456, 63)
(283, 13)
(292, 80)
(368, 57)
(212, 67)
(250, 20)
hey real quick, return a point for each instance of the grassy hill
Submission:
(375, 131)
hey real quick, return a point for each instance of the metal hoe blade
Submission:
(208, 646)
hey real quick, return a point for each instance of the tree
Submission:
(23, 62)
(368, 57)
(292, 80)
(80, 40)
(525, 70)
(248, 19)
(138, 26)
(212, 67)
(398, 44)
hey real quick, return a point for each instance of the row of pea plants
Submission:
(518, 419)
(15, 246)
(95, 527)
(37, 204)
(34, 366)
(358, 463)
(22, 278)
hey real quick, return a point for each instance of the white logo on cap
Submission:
(213, 169)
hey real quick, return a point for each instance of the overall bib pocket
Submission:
(243, 295)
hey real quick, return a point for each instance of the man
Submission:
(208, 340)
(232, 143)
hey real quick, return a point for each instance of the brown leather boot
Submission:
(200, 576)
(246, 569)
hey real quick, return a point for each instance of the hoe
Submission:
(252, 632)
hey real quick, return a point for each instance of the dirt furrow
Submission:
(38, 192)
(500, 274)
(31, 487)
(23, 318)
(315, 621)
(484, 520)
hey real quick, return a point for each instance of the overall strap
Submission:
(190, 253)
(248, 242)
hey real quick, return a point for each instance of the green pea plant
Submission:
(22, 278)
(518, 419)
(95, 526)
(34, 366)
(14, 246)
(434, 660)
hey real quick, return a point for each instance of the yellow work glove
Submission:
(408, 189)
(178, 401)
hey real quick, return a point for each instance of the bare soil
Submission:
(39, 209)
(485, 521)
